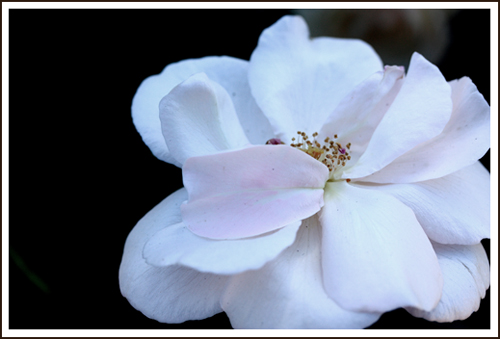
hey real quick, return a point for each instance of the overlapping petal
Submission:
(230, 73)
(466, 279)
(464, 140)
(359, 113)
(297, 82)
(170, 294)
(454, 209)
(288, 291)
(178, 245)
(247, 192)
(420, 111)
(198, 118)
(375, 255)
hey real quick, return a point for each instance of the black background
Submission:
(80, 175)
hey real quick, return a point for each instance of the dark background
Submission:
(80, 175)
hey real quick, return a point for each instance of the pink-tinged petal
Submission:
(420, 111)
(454, 209)
(178, 245)
(464, 140)
(297, 82)
(198, 118)
(466, 279)
(288, 291)
(375, 255)
(359, 113)
(230, 73)
(255, 190)
(170, 294)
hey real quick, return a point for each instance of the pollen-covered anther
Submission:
(331, 154)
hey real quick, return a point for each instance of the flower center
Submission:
(332, 154)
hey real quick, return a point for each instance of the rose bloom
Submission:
(321, 189)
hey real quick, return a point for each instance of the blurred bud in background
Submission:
(394, 33)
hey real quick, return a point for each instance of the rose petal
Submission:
(171, 294)
(288, 291)
(297, 82)
(375, 255)
(464, 140)
(420, 112)
(178, 245)
(358, 114)
(230, 73)
(466, 279)
(198, 118)
(252, 191)
(454, 209)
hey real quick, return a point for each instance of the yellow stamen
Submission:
(326, 154)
